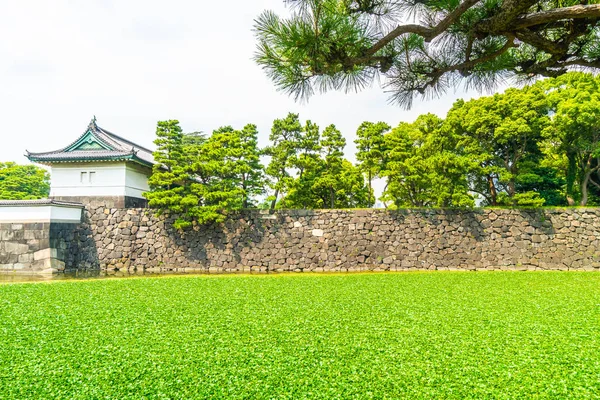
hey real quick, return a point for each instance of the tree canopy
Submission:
(530, 147)
(23, 182)
(574, 101)
(424, 47)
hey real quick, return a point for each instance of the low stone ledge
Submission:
(35, 233)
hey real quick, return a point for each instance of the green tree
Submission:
(575, 130)
(250, 168)
(347, 44)
(285, 137)
(333, 144)
(348, 190)
(371, 152)
(501, 133)
(169, 174)
(307, 167)
(23, 182)
(317, 175)
(424, 168)
(233, 159)
(547, 181)
(183, 178)
(351, 190)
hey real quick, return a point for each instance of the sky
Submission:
(132, 63)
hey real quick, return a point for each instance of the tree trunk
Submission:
(245, 202)
(511, 183)
(275, 199)
(331, 197)
(571, 177)
(371, 200)
(584, 188)
(492, 188)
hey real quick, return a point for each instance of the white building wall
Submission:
(40, 213)
(98, 180)
(136, 180)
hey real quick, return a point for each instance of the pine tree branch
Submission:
(499, 23)
(557, 14)
(550, 47)
(429, 33)
(582, 63)
(436, 75)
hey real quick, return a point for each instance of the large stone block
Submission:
(15, 248)
(26, 258)
(22, 267)
(48, 265)
(6, 234)
(45, 254)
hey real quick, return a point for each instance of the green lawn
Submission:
(405, 335)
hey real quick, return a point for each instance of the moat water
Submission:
(16, 278)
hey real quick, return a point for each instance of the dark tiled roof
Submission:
(115, 148)
(40, 202)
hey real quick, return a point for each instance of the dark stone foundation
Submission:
(106, 201)
(39, 248)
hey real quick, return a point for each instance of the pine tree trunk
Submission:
(492, 188)
(584, 189)
(511, 183)
(571, 177)
(371, 200)
(245, 202)
(511, 191)
(332, 197)
(275, 199)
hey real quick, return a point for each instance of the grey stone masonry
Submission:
(341, 240)
(27, 248)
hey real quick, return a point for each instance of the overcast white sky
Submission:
(133, 62)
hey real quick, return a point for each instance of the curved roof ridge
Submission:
(122, 139)
(116, 146)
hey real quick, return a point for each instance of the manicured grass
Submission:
(405, 335)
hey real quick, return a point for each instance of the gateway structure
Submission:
(99, 166)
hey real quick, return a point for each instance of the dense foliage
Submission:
(425, 46)
(23, 182)
(202, 178)
(535, 146)
(308, 168)
(528, 147)
(412, 336)
(199, 178)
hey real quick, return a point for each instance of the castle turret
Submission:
(99, 166)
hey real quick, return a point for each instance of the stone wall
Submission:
(105, 201)
(345, 240)
(38, 247)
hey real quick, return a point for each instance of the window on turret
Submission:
(87, 178)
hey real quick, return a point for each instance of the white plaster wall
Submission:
(136, 180)
(41, 213)
(110, 179)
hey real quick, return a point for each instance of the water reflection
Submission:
(12, 277)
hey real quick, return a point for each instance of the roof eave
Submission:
(54, 160)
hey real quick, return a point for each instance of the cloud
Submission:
(30, 68)
(132, 63)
